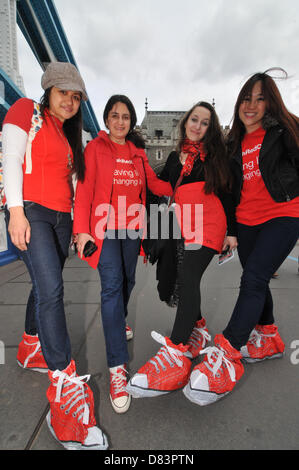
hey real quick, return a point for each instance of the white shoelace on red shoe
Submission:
(118, 380)
(256, 338)
(167, 353)
(30, 356)
(216, 360)
(195, 337)
(77, 392)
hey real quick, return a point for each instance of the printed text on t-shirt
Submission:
(126, 177)
(251, 167)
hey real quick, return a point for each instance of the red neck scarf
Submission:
(194, 150)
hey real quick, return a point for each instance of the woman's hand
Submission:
(229, 242)
(19, 228)
(81, 240)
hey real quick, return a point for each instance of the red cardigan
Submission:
(96, 189)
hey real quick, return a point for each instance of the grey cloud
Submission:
(174, 52)
(247, 37)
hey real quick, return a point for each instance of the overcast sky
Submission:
(175, 52)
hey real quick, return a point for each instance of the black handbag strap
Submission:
(175, 188)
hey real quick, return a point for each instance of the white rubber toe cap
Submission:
(139, 380)
(199, 381)
(96, 437)
(121, 404)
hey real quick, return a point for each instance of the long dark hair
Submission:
(216, 166)
(72, 129)
(133, 135)
(275, 108)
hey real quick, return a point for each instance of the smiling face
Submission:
(118, 123)
(197, 124)
(252, 109)
(64, 104)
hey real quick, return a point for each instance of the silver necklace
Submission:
(66, 143)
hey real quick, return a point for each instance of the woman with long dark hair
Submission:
(42, 152)
(264, 150)
(106, 204)
(200, 165)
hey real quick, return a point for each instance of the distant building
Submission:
(160, 132)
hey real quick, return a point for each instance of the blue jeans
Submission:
(262, 249)
(45, 257)
(117, 267)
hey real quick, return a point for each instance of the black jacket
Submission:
(171, 173)
(278, 163)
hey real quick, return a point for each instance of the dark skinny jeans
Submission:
(45, 257)
(262, 249)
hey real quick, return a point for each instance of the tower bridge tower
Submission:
(8, 40)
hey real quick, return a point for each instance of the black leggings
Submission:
(194, 264)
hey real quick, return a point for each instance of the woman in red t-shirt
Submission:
(109, 212)
(264, 148)
(39, 194)
(198, 170)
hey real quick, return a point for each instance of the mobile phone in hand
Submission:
(225, 256)
(89, 249)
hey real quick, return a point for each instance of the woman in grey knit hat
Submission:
(42, 152)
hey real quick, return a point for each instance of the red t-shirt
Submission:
(256, 205)
(49, 183)
(126, 190)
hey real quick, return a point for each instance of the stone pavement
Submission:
(261, 413)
